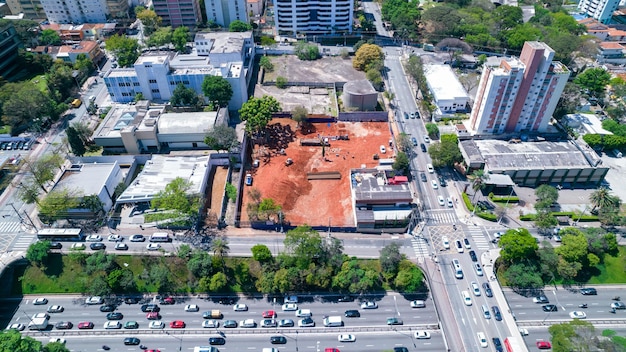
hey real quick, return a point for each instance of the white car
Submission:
(211, 323)
(57, 339)
(94, 300)
(449, 201)
(459, 246)
(115, 238)
(78, 246)
(153, 246)
(192, 308)
(482, 340)
(346, 338)
(369, 305)
(93, 238)
(445, 242)
(112, 324)
(466, 298)
(498, 234)
(479, 269)
(430, 168)
(16, 326)
(422, 334)
(441, 201)
(418, 304)
(382, 149)
(121, 246)
(40, 301)
(475, 288)
(156, 324)
(269, 323)
(434, 184)
(426, 139)
(240, 307)
(523, 331)
(288, 307)
(577, 315)
(248, 323)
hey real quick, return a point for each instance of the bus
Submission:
(160, 237)
(456, 267)
(61, 234)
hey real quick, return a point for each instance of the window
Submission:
(152, 81)
(155, 91)
(136, 84)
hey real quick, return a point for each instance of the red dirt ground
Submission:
(314, 202)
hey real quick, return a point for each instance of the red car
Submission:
(153, 316)
(330, 349)
(85, 325)
(269, 314)
(177, 324)
(153, 351)
(544, 345)
(168, 300)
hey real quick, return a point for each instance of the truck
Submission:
(511, 344)
(333, 321)
(38, 323)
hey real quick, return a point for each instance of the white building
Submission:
(222, 48)
(601, 10)
(223, 12)
(293, 17)
(75, 11)
(448, 93)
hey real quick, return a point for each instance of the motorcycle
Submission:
(105, 347)
(584, 305)
(143, 347)
(616, 298)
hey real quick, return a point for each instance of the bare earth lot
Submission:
(326, 69)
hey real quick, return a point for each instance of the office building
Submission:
(31, 9)
(601, 10)
(178, 13)
(9, 45)
(223, 12)
(293, 17)
(448, 93)
(75, 11)
(518, 95)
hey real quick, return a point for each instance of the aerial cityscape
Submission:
(304, 175)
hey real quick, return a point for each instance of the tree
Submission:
(373, 75)
(221, 137)
(180, 37)
(410, 278)
(569, 101)
(594, 79)
(266, 64)
(299, 114)
(478, 178)
(440, 21)
(125, 49)
(220, 247)
(84, 64)
(402, 163)
(307, 51)
(28, 191)
(603, 199)
(76, 143)
(261, 253)
(12, 340)
(159, 275)
(37, 252)
(354, 279)
(183, 96)
(304, 244)
(55, 347)
(268, 208)
(546, 196)
(150, 20)
(239, 26)
(517, 245)
(432, 129)
(404, 143)
(446, 153)
(24, 107)
(56, 204)
(545, 221)
(43, 169)
(281, 82)
(217, 89)
(390, 258)
(121, 280)
(200, 264)
(369, 56)
(523, 276)
(175, 198)
(219, 281)
(160, 37)
(49, 37)
(257, 112)
(573, 248)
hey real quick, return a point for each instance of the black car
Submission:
(64, 325)
(498, 344)
(472, 255)
(115, 316)
(549, 308)
(487, 290)
(150, 308)
(423, 147)
(278, 340)
(217, 341)
(423, 177)
(352, 313)
(55, 245)
(131, 341)
(588, 291)
(347, 298)
(107, 308)
(496, 313)
(131, 300)
(230, 324)
(400, 349)
(442, 182)
(97, 246)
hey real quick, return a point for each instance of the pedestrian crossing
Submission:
(479, 240)
(13, 227)
(23, 241)
(440, 217)
(420, 246)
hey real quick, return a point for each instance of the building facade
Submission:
(178, 13)
(117, 8)
(601, 10)
(519, 95)
(75, 11)
(223, 12)
(9, 45)
(293, 17)
(448, 93)
(31, 9)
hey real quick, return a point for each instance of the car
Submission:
(213, 314)
(268, 314)
(107, 308)
(40, 301)
(56, 309)
(41, 315)
(482, 340)
(167, 301)
(240, 307)
(177, 324)
(496, 313)
(577, 314)
(423, 177)
(192, 308)
(414, 141)
(497, 344)
(153, 316)
(467, 244)
(523, 331)
(445, 242)
(137, 238)
(229, 324)
(430, 168)
(153, 246)
(211, 323)
(306, 322)
(475, 288)
(57, 340)
(288, 307)
(132, 300)
(479, 269)
(588, 291)
(441, 201)
(131, 325)
(449, 201)
(346, 338)
(394, 321)
(85, 325)
(346, 298)
(406, 116)
(55, 245)
(115, 238)
(93, 238)
(16, 326)
(278, 340)
(466, 298)
(557, 238)
(119, 246)
(352, 313)
(550, 308)
(487, 289)
(369, 305)
(418, 304)
(541, 299)
(77, 246)
(285, 323)
(248, 179)
(156, 324)
(618, 305)
(268, 323)
(426, 139)
(498, 234)
(442, 181)
(543, 345)
(433, 183)
(400, 349)
(382, 149)
(422, 334)
(150, 308)
(112, 325)
(423, 147)
(459, 246)
(92, 300)
(473, 256)
(217, 341)
(132, 341)
(247, 323)
(330, 349)
(115, 316)
(97, 246)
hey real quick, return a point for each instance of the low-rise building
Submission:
(611, 53)
(69, 53)
(448, 93)
(79, 32)
(585, 123)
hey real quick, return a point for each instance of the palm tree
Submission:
(478, 178)
(220, 248)
(603, 199)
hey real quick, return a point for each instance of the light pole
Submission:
(180, 339)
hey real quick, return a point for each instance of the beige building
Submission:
(31, 9)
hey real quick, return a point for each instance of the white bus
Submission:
(160, 237)
(456, 267)
(60, 234)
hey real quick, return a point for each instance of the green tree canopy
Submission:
(307, 51)
(222, 137)
(175, 198)
(76, 143)
(37, 252)
(262, 253)
(517, 244)
(257, 112)
(125, 49)
(390, 258)
(217, 89)
(402, 163)
(180, 37)
(574, 246)
(369, 56)
(200, 264)
(239, 26)
(13, 341)
(183, 96)
(150, 20)
(446, 153)
(56, 204)
(24, 107)
(594, 79)
(49, 37)
(160, 37)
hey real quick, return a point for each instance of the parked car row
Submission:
(17, 145)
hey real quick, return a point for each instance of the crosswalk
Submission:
(479, 240)
(13, 227)
(420, 246)
(23, 241)
(440, 217)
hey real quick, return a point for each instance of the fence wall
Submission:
(364, 116)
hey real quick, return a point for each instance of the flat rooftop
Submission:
(124, 115)
(85, 178)
(370, 188)
(586, 123)
(225, 42)
(174, 123)
(443, 83)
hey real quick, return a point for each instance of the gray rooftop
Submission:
(225, 42)
(362, 86)
(87, 179)
(369, 188)
(196, 122)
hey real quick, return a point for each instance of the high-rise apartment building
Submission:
(31, 9)
(178, 13)
(292, 17)
(223, 12)
(601, 10)
(75, 11)
(117, 8)
(9, 45)
(519, 95)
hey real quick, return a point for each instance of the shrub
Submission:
(231, 192)
(306, 51)
(528, 217)
(504, 199)
(281, 82)
(487, 216)
(468, 202)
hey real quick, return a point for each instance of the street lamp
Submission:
(180, 339)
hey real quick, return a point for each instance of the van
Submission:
(304, 313)
(486, 312)
(333, 321)
(160, 237)
(456, 267)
